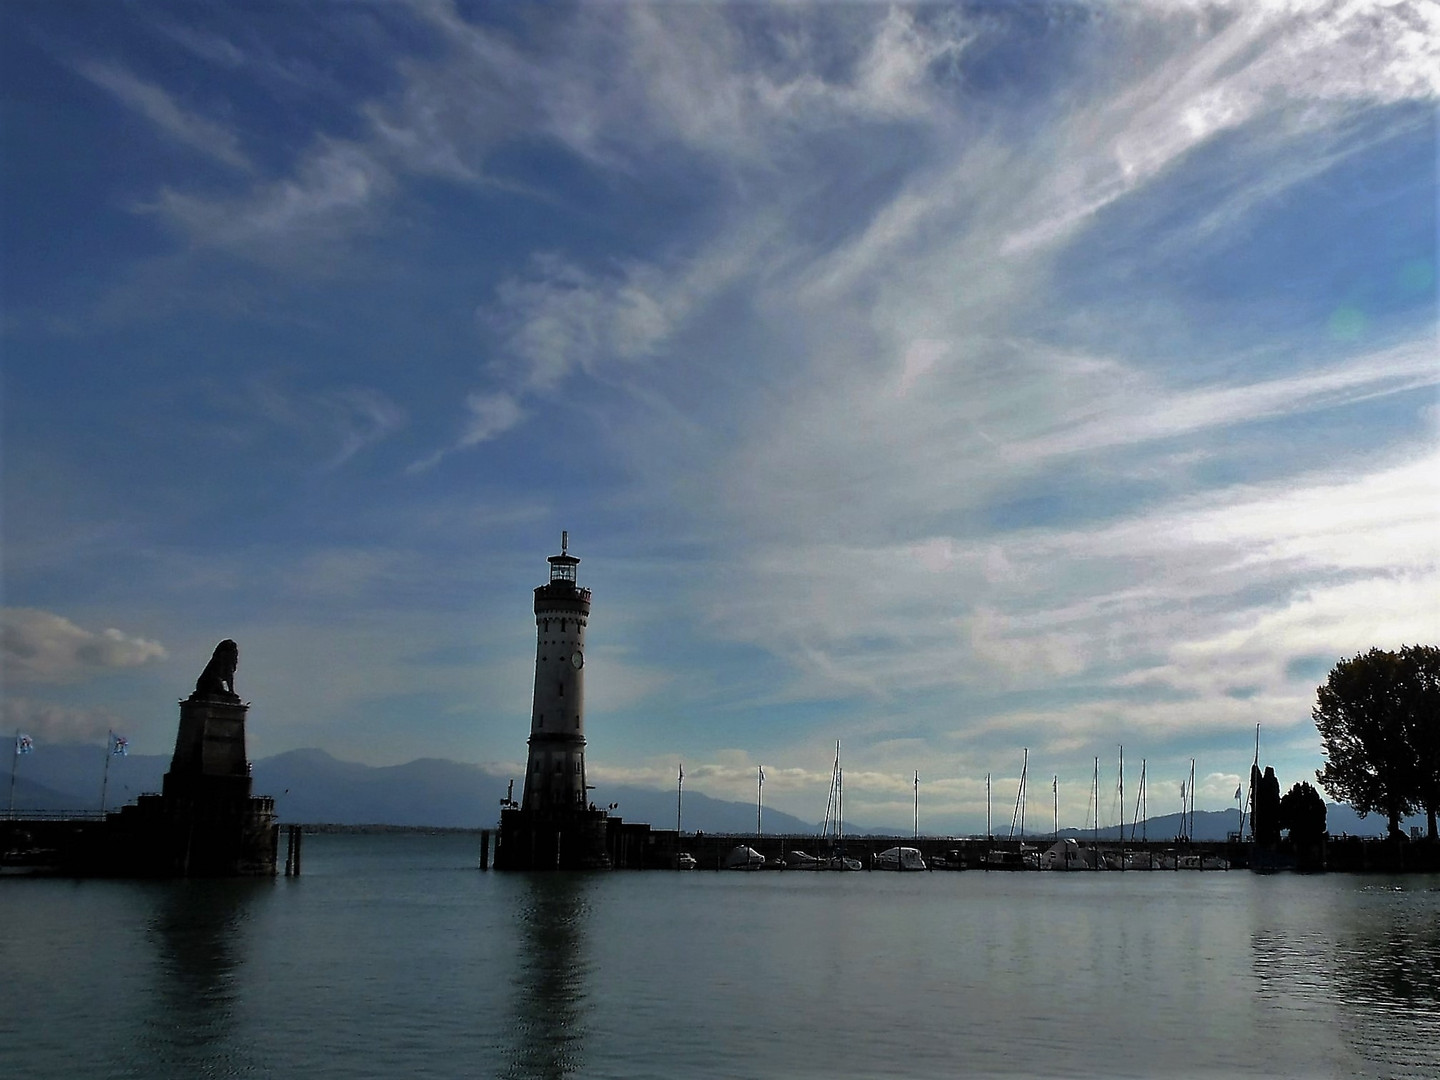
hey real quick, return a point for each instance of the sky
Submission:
(951, 382)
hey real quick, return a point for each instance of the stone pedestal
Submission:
(211, 742)
(205, 823)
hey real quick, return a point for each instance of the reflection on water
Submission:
(551, 976)
(200, 931)
(1370, 970)
(394, 957)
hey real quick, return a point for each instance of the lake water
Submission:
(394, 957)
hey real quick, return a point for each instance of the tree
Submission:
(1363, 713)
(1420, 671)
(1302, 811)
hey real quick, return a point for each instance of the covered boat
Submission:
(744, 858)
(799, 860)
(898, 858)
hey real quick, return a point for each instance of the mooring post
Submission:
(299, 838)
(484, 849)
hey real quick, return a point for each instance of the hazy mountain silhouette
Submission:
(312, 787)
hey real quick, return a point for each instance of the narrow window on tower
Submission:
(542, 719)
(560, 689)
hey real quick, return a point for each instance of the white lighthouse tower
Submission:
(553, 827)
(555, 772)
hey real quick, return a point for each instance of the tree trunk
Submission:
(1394, 831)
(1430, 821)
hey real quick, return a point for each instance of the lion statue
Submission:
(218, 678)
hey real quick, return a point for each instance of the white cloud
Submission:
(1124, 410)
(160, 108)
(41, 647)
(490, 415)
(50, 723)
(1307, 62)
(336, 424)
(334, 195)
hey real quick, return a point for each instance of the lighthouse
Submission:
(555, 772)
(553, 826)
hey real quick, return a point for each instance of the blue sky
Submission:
(943, 380)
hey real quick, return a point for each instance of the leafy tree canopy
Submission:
(1302, 811)
(1377, 715)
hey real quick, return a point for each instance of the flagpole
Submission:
(679, 789)
(759, 787)
(14, 760)
(105, 781)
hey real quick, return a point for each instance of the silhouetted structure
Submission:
(205, 822)
(554, 827)
(1266, 801)
(1302, 815)
(1376, 714)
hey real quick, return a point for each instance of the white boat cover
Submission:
(899, 858)
(744, 858)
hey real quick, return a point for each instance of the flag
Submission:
(1237, 792)
(682, 770)
(119, 745)
(761, 769)
(24, 744)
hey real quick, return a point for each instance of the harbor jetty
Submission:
(636, 846)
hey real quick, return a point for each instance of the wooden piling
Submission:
(292, 850)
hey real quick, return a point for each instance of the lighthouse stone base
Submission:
(552, 840)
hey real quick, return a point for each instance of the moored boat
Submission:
(898, 858)
(744, 858)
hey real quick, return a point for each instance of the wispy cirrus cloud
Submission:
(337, 423)
(162, 110)
(1131, 412)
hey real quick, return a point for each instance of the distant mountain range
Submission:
(312, 787)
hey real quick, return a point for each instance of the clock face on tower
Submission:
(577, 660)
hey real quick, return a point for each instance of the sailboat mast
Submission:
(1055, 795)
(989, 829)
(1190, 831)
(1139, 799)
(1122, 806)
(1250, 790)
(1019, 812)
(1095, 788)
(1145, 799)
(917, 805)
(759, 789)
